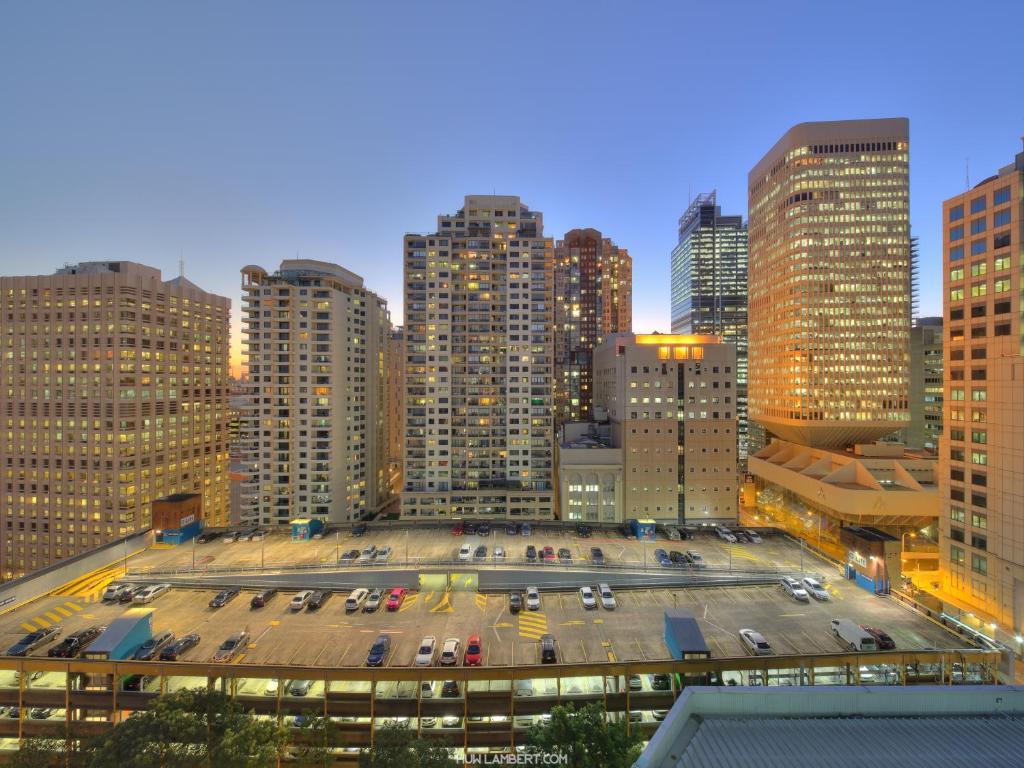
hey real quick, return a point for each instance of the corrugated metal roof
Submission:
(992, 741)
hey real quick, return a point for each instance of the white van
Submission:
(355, 599)
(852, 636)
(299, 601)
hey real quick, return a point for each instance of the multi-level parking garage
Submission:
(617, 657)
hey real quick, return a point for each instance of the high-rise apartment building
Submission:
(925, 384)
(113, 393)
(709, 288)
(316, 343)
(593, 298)
(396, 406)
(830, 293)
(671, 403)
(981, 452)
(479, 312)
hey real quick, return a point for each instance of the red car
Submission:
(474, 652)
(548, 553)
(457, 529)
(396, 597)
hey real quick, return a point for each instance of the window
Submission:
(979, 395)
(1002, 262)
(956, 233)
(979, 436)
(978, 247)
(956, 294)
(999, 196)
(979, 268)
(956, 314)
(978, 415)
(978, 289)
(956, 555)
(1001, 218)
(979, 564)
(956, 434)
(978, 541)
(957, 514)
(956, 454)
(956, 212)
(1001, 307)
(978, 226)
(956, 534)
(1002, 240)
(979, 457)
(978, 204)
(978, 520)
(956, 274)
(978, 310)
(956, 253)
(1002, 285)
(956, 394)
(979, 500)
(1001, 329)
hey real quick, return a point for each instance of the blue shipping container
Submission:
(683, 636)
(181, 535)
(122, 638)
(304, 530)
(643, 529)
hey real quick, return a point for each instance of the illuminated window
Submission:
(1002, 285)
(978, 289)
(956, 274)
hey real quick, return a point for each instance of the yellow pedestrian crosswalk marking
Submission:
(28, 627)
(62, 611)
(740, 552)
(52, 616)
(481, 602)
(532, 625)
(41, 622)
(73, 606)
(409, 602)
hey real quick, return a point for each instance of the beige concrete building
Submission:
(590, 473)
(316, 342)
(982, 447)
(479, 300)
(113, 393)
(593, 298)
(671, 402)
(830, 283)
(396, 406)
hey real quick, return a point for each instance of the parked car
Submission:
(548, 554)
(396, 598)
(532, 599)
(150, 593)
(367, 555)
(41, 713)
(383, 555)
(474, 652)
(596, 556)
(484, 529)
(755, 642)
(426, 690)
(660, 682)
(231, 647)
(726, 535)
(548, 654)
(299, 687)
(318, 599)
(515, 602)
(480, 553)
(137, 682)
(207, 536)
(224, 597)
(793, 589)
(587, 598)
(355, 599)
(583, 531)
(510, 529)
(465, 552)
(678, 558)
(349, 557)
(112, 594)
(564, 555)
(359, 529)
(230, 537)
(299, 600)
(373, 600)
(531, 554)
(425, 655)
(244, 536)
(450, 652)
(450, 690)
(33, 640)
(882, 639)
(754, 537)
(527, 529)
(695, 558)
(261, 598)
(458, 529)
(607, 596)
(499, 553)
(853, 636)
(815, 589)
(469, 528)
(154, 645)
(261, 535)
(74, 644)
(378, 651)
(741, 536)
(635, 683)
(173, 651)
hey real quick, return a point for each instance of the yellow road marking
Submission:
(444, 605)
(73, 606)
(52, 616)
(789, 615)
(573, 623)
(28, 627)
(481, 602)
(275, 623)
(531, 635)
(239, 659)
(41, 621)
(599, 621)
(62, 611)
(503, 625)
(428, 597)
(409, 602)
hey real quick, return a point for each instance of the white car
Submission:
(465, 552)
(755, 642)
(151, 593)
(367, 555)
(355, 599)
(587, 596)
(793, 589)
(607, 596)
(426, 690)
(259, 536)
(499, 553)
(383, 555)
(272, 687)
(532, 599)
(754, 538)
(726, 535)
(299, 601)
(815, 589)
(425, 655)
(450, 652)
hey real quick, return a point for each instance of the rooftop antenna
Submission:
(181, 266)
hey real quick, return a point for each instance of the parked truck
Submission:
(853, 636)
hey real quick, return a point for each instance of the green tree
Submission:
(395, 746)
(313, 744)
(189, 728)
(586, 738)
(40, 753)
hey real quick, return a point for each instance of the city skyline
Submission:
(303, 153)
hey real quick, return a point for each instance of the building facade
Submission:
(830, 283)
(671, 403)
(982, 446)
(593, 298)
(590, 480)
(316, 342)
(114, 393)
(395, 406)
(925, 385)
(479, 313)
(709, 288)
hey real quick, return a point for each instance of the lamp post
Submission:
(337, 546)
(193, 553)
(263, 543)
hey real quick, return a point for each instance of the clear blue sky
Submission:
(231, 133)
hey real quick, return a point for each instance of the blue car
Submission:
(379, 651)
